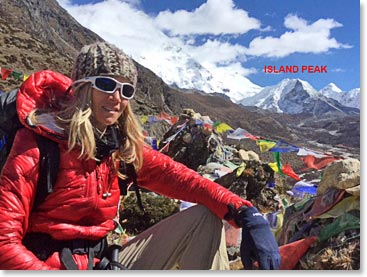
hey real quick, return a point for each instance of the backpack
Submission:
(49, 153)
(49, 150)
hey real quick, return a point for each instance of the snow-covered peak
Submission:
(349, 99)
(309, 88)
(332, 91)
(352, 98)
(178, 68)
(292, 96)
(332, 87)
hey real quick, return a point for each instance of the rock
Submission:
(253, 156)
(341, 174)
(243, 155)
(248, 155)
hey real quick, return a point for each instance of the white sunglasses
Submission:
(109, 85)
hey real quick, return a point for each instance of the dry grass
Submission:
(346, 257)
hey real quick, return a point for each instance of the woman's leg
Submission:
(191, 239)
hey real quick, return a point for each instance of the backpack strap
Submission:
(129, 170)
(8, 108)
(9, 123)
(48, 168)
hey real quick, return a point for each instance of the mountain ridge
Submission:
(24, 49)
(180, 70)
(294, 96)
(347, 98)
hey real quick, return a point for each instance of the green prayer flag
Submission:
(342, 223)
(276, 156)
(16, 75)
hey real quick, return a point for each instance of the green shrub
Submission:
(156, 207)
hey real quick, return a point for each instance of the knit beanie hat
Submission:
(102, 58)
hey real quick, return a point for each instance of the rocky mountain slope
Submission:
(47, 22)
(349, 99)
(36, 35)
(294, 96)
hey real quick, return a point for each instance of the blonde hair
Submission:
(75, 118)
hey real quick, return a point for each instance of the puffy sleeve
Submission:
(165, 176)
(17, 191)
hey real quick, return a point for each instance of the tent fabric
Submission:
(232, 234)
(291, 253)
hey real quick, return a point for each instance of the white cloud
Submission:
(304, 38)
(119, 23)
(338, 70)
(139, 34)
(142, 35)
(235, 68)
(213, 17)
(217, 52)
(64, 3)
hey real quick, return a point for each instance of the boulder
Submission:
(341, 174)
(248, 155)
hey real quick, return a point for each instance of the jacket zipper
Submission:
(102, 188)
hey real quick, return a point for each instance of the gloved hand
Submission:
(258, 243)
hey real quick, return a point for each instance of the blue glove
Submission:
(258, 242)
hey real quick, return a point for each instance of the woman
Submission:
(90, 118)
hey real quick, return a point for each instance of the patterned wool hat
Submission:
(102, 58)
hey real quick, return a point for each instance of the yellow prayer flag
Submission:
(240, 169)
(265, 145)
(223, 127)
(143, 119)
(274, 167)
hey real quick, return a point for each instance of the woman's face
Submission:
(108, 107)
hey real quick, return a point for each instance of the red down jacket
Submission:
(76, 208)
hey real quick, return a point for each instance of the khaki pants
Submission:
(191, 239)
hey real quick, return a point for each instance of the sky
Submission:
(318, 41)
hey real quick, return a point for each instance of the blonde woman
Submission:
(90, 119)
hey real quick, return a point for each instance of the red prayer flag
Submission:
(287, 169)
(5, 72)
(292, 252)
(318, 163)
